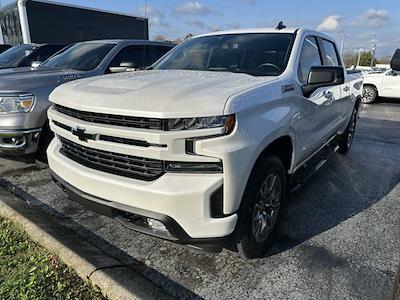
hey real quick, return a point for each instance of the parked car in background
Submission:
(24, 92)
(385, 84)
(26, 54)
(202, 149)
(4, 48)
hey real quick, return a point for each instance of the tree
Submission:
(384, 59)
(160, 38)
(366, 58)
(177, 41)
(188, 36)
(351, 58)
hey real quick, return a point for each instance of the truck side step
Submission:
(312, 166)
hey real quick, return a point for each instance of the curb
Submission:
(115, 280)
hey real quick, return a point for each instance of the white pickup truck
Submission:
(203, 149)
(385, 84)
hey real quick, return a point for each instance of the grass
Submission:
(28, 271)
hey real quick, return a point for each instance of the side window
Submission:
(330, 54)
(130, 54)
(161, 51)
(309, 57)
(156, 52)
(41, 54)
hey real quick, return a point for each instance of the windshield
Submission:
(82, 57)
(257, 54)
(14, 55)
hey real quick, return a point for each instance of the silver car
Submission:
(24, 92)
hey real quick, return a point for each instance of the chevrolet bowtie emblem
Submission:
(82, 135)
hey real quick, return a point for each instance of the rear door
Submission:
(341, 104)
(317, 122)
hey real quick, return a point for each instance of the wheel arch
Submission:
(374, 86)
(282, 147)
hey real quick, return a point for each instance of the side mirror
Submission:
(395, 63)
(36, 64)
(123, 67)
(323, 76)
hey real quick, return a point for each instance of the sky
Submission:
(362, 23)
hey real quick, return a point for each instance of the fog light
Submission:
(157, 226)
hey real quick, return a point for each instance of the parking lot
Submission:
(339, 239)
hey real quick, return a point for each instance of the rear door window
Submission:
(42, 54)
(330, 54)
(131, 54)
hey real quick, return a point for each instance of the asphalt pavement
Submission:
(339, 239)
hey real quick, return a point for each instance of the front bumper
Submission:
(124, 215)
(180, 201)
(19, 142)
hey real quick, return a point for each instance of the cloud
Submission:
(372, 18)
(330, 24)
(156, 16)
(193, 8)
(196, 23)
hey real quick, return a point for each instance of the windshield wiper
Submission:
(231, 70)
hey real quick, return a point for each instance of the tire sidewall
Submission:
(244, 233)
(375, 94)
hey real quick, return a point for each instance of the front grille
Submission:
(114, 139)
(128, 121)
(119, 164)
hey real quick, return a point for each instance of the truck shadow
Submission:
(34, 207)
(345, 186)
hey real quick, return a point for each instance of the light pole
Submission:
(359, 56)
(373, 54)
(342, 45)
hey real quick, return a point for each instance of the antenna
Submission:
(280, 26)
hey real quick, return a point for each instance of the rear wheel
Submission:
(369, 94)
(261, 207)
(346, 139)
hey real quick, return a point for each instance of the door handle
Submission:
(329, 98)
(346, 89)
(328, 95)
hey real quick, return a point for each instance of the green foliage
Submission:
(351, 58)
(28, 272)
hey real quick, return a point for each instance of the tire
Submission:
(261, 207)
(346, 139)
(44, 141)
(369, 94)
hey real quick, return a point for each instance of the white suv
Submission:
(202, 149)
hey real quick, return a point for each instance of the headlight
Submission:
(227, 122)
(16, 104)
(193, 167)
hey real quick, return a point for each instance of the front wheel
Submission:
(261, 207)
(44, 141)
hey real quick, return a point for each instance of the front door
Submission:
(391, 84)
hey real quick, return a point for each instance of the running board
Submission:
(313, 165)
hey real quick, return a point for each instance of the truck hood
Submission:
(28, 79)
(156, 93)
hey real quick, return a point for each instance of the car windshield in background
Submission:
(14, 55)
(82, 57)
(257, 54)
